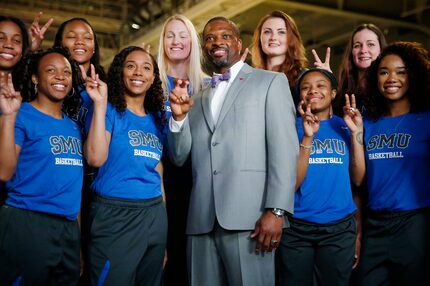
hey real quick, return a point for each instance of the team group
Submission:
(154, 173)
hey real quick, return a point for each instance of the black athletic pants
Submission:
(395, 249)
(127, 241)
(316, 252)
(38, 248)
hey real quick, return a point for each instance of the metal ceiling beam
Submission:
(348, 14)
(100, 24)
(198, 14)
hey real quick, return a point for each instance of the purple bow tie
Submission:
(216, 79)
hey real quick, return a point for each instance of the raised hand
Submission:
(95, 87)
(244, 55)
(10, 100)
(310, 122)
(180, 101)
(146, 47)
(322, 65)
(37, 33)
(351, 115)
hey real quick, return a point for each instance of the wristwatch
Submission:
(278, 212)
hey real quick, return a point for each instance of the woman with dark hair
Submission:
(41, 160)
(128, 221)
(14, 42)
(14, 45)
(396, 232)
(78, 36)
(364, 46)
(320, 242)
(277, 46)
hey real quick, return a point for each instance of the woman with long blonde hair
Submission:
(179, 57)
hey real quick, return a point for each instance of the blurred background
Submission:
(322, 23)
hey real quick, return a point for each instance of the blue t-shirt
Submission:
(49, 172)
(135, 149)
(398, 162)
(325, 195)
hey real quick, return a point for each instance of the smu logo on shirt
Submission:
(382, 141)
(396, 140)
(64, 145)
(330, 146)
(140, 138)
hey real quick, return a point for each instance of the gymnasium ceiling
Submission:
(321, 22)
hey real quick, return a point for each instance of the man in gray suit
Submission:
(242, 137)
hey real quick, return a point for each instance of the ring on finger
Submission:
(274, 242)
(351, 109)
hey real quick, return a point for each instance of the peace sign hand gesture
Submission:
(351, 115)
(310, 122)
(95, 87)
(10, 100)
(322, 65)
(37, 34)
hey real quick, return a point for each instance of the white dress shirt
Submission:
(218, 94)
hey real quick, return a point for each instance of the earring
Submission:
(72, 93)
(35, 88)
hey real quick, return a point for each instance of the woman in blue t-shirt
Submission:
(78, 36)
(41, 160)
(128, 221)
(14, 44)
(320, 242)
(396, 232)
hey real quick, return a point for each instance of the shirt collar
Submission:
(234, 70)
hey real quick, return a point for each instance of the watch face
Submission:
(278, 212)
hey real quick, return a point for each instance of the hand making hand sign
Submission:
(10, 100)
(96, 88)
(37, 33)
(180, 101)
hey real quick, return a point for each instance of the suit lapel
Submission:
(207, 108)
(239, 82)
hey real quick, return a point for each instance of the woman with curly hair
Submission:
(277, 46)
(396, 233)
(41, 160)
(128, 221)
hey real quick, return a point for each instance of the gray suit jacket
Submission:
(245, 163)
